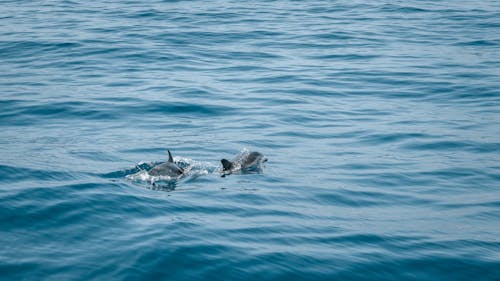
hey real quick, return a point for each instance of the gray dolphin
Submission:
(244, 162)
(168, 168)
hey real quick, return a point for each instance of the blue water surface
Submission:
(381, 123)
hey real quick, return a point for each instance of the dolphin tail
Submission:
(226, 164)
(170, 158)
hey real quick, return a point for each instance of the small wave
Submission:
(16, 173)
(478, 43)
(446, 145)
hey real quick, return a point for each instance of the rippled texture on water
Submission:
(380, 123)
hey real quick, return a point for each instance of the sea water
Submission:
(380, 123)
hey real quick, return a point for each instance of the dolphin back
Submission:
(246, 162)
(167, 169)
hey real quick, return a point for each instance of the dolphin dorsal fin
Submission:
(170, 158)
(226, 164)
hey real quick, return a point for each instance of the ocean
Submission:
(380, 123)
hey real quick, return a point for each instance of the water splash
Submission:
(192, 170)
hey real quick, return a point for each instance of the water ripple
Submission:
(379, 120)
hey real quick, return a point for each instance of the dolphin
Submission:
(168, 168)
(244, 163)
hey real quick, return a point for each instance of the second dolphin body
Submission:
(245, 162)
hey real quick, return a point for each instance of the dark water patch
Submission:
(438, 145)
(490, 204)
(335, 36)
(454, 145)
(19, 174)
(94, 155)
(350, 134)
(33, 113)
(114, 50)
(242, 68)
(314, 92)
(479, 43)
(150, 14)
(276, 100)
(14, 49)
(188, 108)
(485, 147)
(343, 56)
(425, 268)
(360, 239)
(143, 150)
(365, 166)
(229, 55)
(454, 173)
(483, 215)
(360, 199)
(10, 102)
(392, 180)
(339, 199)
(190, 38)
(120, 174)
(391, 8)
(27, 113)
(16, 269)
(299, 134)
(193, 93)
(276, 79)
(302, 118)
(394, 137)
(35, 206)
